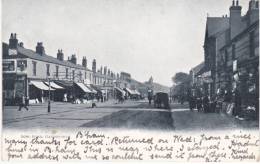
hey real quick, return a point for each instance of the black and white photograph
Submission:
(151, 66)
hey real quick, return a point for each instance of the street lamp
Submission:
(49, 99)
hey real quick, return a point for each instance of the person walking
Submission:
(23, 104)
(238, 102)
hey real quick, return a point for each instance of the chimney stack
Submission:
(84, 62)
(21, 44)
(40, 49)
(235, 20)
(94, 66)
(60, 55)
(13, 41)
(73, 59)
(105, 70)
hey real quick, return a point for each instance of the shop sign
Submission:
(8, 66)
(234, 65)
(21, 65)
(206, 74)
(12, 52)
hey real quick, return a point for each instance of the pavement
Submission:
(110, 114)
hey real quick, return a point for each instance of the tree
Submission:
(181, 85)
(180, 77)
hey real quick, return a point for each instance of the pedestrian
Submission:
(22, 103)
(65, 97)
(238, 102)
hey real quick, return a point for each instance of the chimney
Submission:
(73, 59)
(235, 19)
(253, 12)
(84, 62)
(105, 70)
(21, 44)
(60, 55)
(101, 70)
(40, 49)
(13, 41)
(94, 66)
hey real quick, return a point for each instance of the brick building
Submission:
(231, 48)
(27, 72)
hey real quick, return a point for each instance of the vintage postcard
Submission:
(130, 80)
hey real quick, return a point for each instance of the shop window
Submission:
(34, 67)
(48, 69)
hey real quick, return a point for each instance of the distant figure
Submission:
(22, 103)
(65, 99)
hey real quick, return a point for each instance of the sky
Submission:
(145, 38)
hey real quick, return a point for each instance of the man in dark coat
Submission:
(238, 101)
(23, 103)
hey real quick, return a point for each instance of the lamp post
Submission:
(49, 99)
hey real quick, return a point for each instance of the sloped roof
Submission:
(197, 68)
(216, 24)
(33, 55)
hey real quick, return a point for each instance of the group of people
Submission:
(198, 99)
(230, 101)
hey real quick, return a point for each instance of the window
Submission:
(80, 75)
(233, 51)
(57, 71)
(226, 58)
(85, 75)
(67, 73)
(252, 44)
(48, 69)
(34, 67)
(73, 74)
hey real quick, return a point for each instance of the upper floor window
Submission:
(80, 75)
(34, 67)
(226, 57)
(67, 73)
(48, 69)
(73, 74)
(57, 71)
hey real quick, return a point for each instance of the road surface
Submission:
(129, 115)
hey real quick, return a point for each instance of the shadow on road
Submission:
(135, 119)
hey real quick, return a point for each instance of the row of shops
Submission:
(230, 71)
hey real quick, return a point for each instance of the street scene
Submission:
(128, 68)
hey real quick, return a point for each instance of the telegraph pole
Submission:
(49, 99)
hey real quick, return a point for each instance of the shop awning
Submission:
(130, 91)
(54, 85)
(137, 93)
(40, 85)
(64, 84)
(91, 88)
(84, 88)
(120, 90)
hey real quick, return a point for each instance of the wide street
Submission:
(128, 115)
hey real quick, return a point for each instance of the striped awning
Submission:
(40, 85)
(130, 91)
(84, 88)
(54, 85)
(120, 90)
